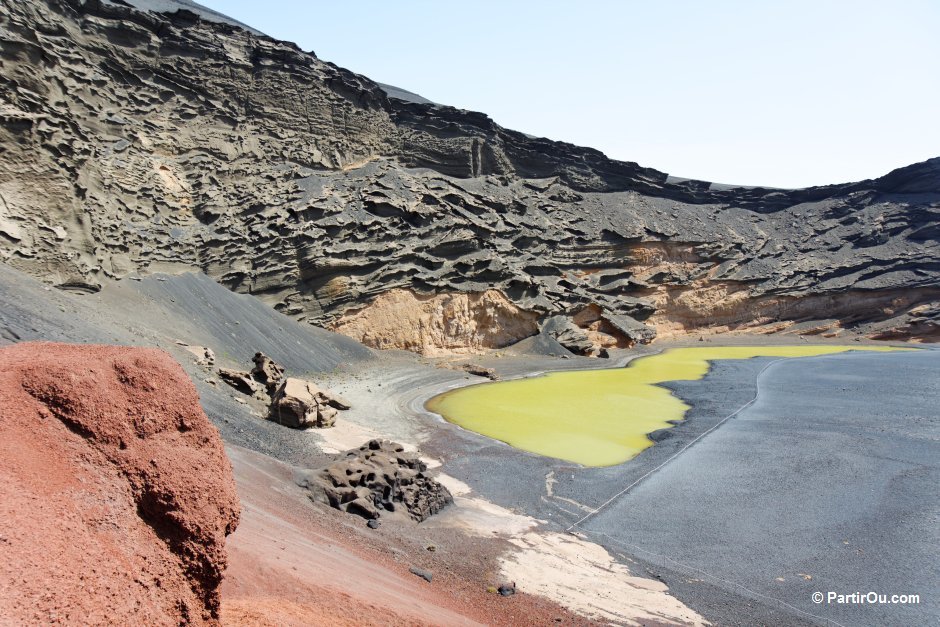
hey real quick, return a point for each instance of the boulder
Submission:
(379, 479)
(569, 335)
(507, 589)
(421, 572)
(115, 492)
(635, 331)
(243, 382)
(267, 372)
(301, 404)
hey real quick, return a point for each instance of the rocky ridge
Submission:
(135, 142)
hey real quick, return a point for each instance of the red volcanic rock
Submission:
(115, 491)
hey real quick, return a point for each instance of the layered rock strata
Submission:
(135, 142)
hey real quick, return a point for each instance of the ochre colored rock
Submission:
(115, 492)
(243, 382)
(439, 324)
(299, 404)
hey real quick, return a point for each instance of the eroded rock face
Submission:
(115, 492)
(379, 479)
(137, 142)
(440, 324)
(267, 372)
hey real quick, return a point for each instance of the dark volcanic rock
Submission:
(379, 478)
(421, 572)
(569, 335)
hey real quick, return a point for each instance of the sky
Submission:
(782, 94)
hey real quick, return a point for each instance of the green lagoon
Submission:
(597, 417)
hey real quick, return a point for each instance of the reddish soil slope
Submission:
(115, 493)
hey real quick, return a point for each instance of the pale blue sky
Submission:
(783, 94)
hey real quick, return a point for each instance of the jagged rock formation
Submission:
(242, 381)
(291, 402)
(115, 492)
(137, 142)
(379, 478)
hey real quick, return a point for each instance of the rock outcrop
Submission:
(480, 371)
(292, 402)
(439, 324)
(300, 404)
(379, 479)
(115, 492)
(242, 381)
(144, 142)
(267, 372)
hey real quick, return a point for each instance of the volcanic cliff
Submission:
(135, 142)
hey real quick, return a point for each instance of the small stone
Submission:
(507, 589)
(420, 572)
(373, 524)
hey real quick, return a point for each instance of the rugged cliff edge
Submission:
(134, 142)
(115, 492)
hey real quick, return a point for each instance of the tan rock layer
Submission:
(714, 307)
(439, 324)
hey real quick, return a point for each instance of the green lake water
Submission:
(596, 417)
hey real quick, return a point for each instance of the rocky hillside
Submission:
(135, 142)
